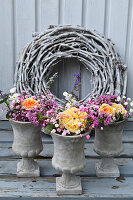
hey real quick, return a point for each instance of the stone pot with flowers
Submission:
(27, 115)
(68, 130)
(111, 112)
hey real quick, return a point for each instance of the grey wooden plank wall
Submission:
(20, 18)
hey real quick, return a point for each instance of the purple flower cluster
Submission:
(92, 120)
(38, 115)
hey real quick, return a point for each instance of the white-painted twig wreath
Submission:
(48, 48)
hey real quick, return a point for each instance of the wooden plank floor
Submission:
(43, 187)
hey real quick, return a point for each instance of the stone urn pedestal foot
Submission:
(27, 167)
(68, 184)
(107, 168)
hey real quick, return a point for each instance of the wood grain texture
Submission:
(24, 19)
(48, 149)
(8, 167)
(94, 15)
(44, 187)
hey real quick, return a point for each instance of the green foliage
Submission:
(49, 128)
(7, 116)
(4, 100)
(120, 117)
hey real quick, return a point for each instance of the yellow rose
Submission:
(107, 108)
(119, 109)
(72, 119)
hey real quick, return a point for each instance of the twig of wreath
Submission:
(93, 50)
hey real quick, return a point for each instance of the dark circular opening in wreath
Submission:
(66, 69)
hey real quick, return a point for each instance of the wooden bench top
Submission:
(44, 187)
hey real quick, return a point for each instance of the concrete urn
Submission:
(27, 143)
(108, 144)
(69, 158)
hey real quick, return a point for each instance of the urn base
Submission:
(27, 167)
(71, 187)
(107, 168)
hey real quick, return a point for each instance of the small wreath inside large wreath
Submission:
(94, 51)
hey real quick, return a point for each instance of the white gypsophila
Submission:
(13, 90)
(68, 97)
(114, 118)
(56, 125)
(77, 132)
(131, 110)
(74, 102)
(131, 104)
(68, 105)
(67, 131)
(118, 98)
(128, 99)
(65, 94)
(126, 103)
(124, 97)
(82, 129)
(16, 95)
(11, 103)
(53, 131)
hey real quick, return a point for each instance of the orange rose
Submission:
(119, 109)
(107, 108)
(29, 103)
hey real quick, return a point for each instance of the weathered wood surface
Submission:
(44, 187)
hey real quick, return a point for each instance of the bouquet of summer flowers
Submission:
(25, 107)
(71, 118)
(110, 108)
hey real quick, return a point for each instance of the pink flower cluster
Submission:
(38, 115)
(92, 120)
(97, 118)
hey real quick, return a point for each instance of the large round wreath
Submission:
(48, 48)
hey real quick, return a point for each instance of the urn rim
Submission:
(114, 123)
(72, 136)
(12, 120)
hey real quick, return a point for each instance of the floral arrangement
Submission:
(71, 119)
(69, 122)
(24, 107)
(27, 108)
(109, 108)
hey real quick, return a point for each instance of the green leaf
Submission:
(49, 128)
(3, 100)
(7, 116)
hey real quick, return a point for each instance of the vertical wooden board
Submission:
(71, 12)
(6, 48)
(129, 51)
(24, 22)
(116, 23)
(6, 43)
(94, 14)
(49, 13)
